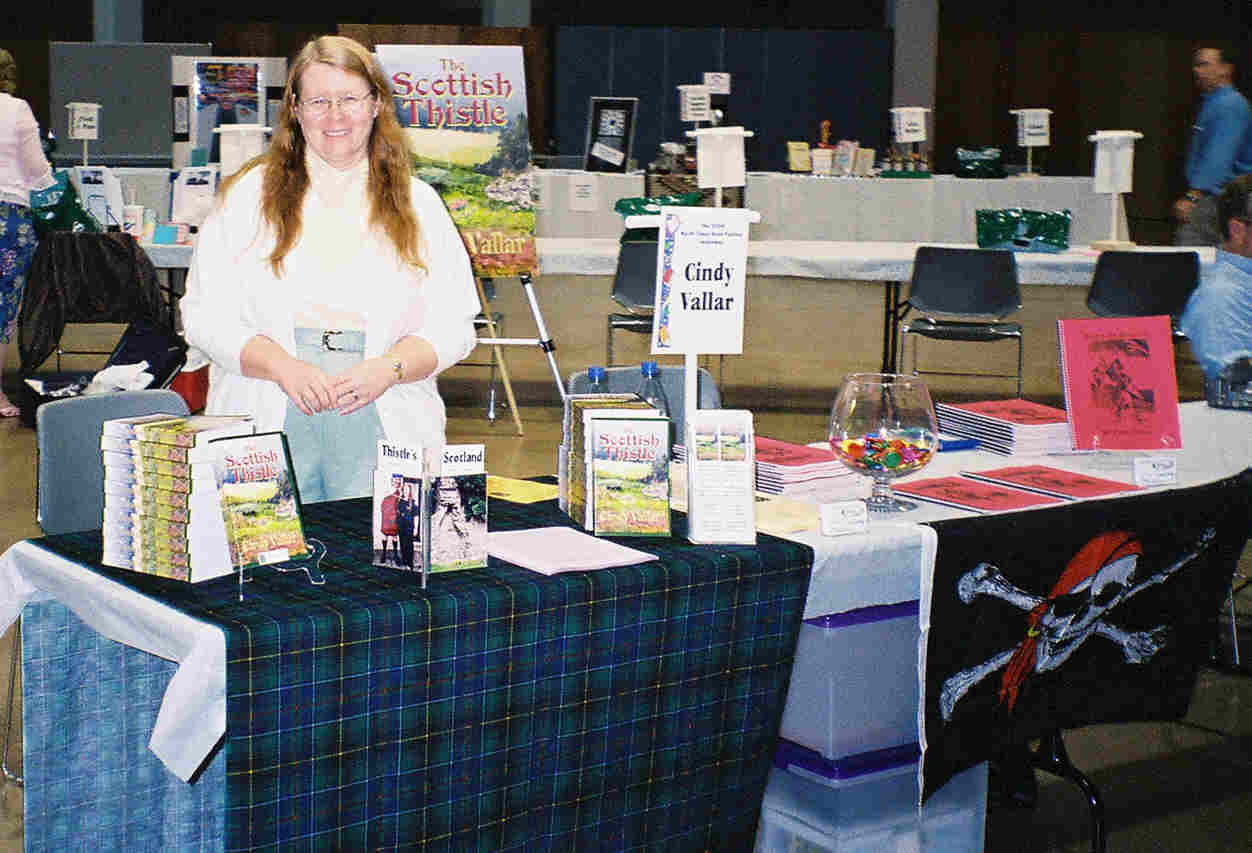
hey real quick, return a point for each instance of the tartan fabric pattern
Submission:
(88, 708)
(633, 708)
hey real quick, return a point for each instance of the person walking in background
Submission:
(1220, 148)
(23, 167)
(1218, 318)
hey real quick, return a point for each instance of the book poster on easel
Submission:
(701, 259)
(464, 110)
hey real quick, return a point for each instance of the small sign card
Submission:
(1156, 470)
(844, 517)
(700, 280)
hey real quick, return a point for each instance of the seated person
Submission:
(1218, 316)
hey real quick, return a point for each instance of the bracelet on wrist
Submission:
(397, 367)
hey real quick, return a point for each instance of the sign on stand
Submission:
(701, 258)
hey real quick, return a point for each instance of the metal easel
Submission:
(544, 342)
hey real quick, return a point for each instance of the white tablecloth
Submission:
(883, 566)
(939, 209)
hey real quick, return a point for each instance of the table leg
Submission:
(890, 325)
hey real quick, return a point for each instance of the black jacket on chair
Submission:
(85, 278)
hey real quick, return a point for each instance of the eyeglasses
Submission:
(350, 105)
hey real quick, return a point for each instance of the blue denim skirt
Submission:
(333, 455)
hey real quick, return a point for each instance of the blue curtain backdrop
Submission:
(783, 84)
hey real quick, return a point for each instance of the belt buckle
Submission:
(326, 345)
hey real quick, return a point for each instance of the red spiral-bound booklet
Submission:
(1052, 481)
(964, 493)
(1121, 392)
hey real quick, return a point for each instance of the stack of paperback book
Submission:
(800, 471)
(161, 510)
(1007, 426)
(631, 454)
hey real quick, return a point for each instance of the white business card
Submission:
(844, 517)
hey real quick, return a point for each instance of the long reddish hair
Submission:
(286, 179)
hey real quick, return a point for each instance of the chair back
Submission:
(977, 282)
(1143, 284)
(69, 474)
(621, 380)
(634, 282)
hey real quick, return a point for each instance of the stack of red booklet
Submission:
(797, 470)
(1011, 488)
(1007, 426)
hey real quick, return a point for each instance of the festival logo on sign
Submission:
(464, 108)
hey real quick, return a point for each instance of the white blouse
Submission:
(23, 166)
(339, 264)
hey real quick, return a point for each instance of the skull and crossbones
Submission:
(1099, 577)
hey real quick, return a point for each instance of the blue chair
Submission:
(622, 380)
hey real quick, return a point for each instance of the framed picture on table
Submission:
(610, 134)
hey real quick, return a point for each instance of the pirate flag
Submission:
(1091, 612)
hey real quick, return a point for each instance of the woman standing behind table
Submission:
(23, 167)
(329, 286)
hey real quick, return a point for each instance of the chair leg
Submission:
(1019, 366)
(15, 660)
(608, 343)
(1051, 757)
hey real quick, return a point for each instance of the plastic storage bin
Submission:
(854, 684)
(879, 815)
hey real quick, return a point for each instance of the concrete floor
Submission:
(1169, 788)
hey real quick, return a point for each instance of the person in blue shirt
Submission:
(1218, 317)
(1220, 148)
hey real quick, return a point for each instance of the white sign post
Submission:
(1114, 175)
(720, 162)
(1033, 131)
(84, 123)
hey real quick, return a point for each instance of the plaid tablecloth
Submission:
(625, 709)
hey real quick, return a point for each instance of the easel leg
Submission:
(498, 356)
(545, 343)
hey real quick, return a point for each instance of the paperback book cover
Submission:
(630, 476)
(1052, 481)
(454, 509)
(1121, 392)
(577, 449)
(397, 506)
(721, 469)
(464, 109)
(964, 493)
(259, 498)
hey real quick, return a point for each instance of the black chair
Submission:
(634, 286)
(1143, 284)
(976, 287)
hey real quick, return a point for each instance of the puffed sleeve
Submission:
(214, 307)
(449, 296)
(36, 174)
